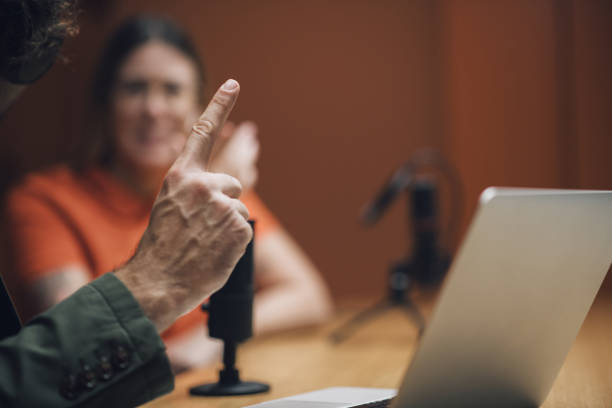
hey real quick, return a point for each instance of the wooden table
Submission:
(377, 356)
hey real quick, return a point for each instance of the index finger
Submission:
(208, 126)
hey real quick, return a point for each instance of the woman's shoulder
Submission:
(58, 180)
(59, 177)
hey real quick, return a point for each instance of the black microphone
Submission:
(429, 261)
(396, 184)
(230, 318)
(230, 310)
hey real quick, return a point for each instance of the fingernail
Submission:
(230, 84)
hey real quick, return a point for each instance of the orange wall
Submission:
(513, 92)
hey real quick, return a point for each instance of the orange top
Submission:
(60, 218)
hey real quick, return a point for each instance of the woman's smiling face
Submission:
(153, 104)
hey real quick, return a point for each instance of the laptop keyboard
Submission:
(376, 404)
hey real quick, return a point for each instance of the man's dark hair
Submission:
(32, 31)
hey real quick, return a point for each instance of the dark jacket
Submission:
(94, 349)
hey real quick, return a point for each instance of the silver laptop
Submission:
(511, 306)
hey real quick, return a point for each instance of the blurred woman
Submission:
(71, 224)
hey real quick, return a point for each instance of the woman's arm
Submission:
(55, 285)
(49, 262)
(193, 349)
(291, 292)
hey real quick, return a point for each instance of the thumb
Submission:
(228, 130)
(208, 126)
(222, 140)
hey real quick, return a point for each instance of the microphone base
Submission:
(229, 378)
(219, 389)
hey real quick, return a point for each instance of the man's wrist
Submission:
(151, 294)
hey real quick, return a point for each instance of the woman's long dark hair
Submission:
(134, 32)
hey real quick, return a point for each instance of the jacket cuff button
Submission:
(120, 357)
(69, 387)
(87, 377)
(105, 370)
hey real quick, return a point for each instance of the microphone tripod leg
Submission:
(415, 315)
(348, 328)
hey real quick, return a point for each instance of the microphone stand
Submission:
(230, 318)
(403, 274)
(400, 282)
(229, 378)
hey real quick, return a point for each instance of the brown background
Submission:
(514, 92)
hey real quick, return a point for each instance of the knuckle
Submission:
(201, 187)
(234, 183)
(239, 207)
(220, 204)
(245, 233)
(203, 128)
(174, 175)
(245, 210)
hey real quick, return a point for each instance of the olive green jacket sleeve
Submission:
(95, 349)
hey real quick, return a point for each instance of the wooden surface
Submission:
(377, 356)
